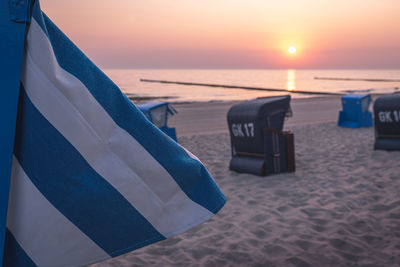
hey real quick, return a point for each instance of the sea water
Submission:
(292, 80)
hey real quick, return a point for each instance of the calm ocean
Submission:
(129, 81)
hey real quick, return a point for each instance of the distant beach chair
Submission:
(355, 112)
(157, 112)
(387, 122)
(259, 146)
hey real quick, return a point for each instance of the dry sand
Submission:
(340, 208)
(206, 118)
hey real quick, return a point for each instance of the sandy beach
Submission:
(340, 208)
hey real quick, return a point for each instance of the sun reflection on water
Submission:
(291, 80)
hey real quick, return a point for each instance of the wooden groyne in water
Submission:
(356, 79)
(242, 87)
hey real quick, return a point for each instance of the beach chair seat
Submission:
(157, 112)
(355, 112)
(387, 122)
(257, 142)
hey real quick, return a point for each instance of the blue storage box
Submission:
(157, 112)
(355, 113)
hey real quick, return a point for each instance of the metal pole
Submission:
(14, 14)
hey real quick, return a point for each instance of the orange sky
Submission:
(232, 33)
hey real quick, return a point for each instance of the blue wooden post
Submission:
(14, 14)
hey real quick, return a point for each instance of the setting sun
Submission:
(292, 50)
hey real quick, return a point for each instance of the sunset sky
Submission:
(232, 33)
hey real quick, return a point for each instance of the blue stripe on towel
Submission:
(14, 255)
(57, 169)
(189, 174)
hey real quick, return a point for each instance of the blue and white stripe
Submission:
(92, 178)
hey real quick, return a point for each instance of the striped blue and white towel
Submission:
(92, 178)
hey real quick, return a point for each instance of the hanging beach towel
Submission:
(92, 178)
